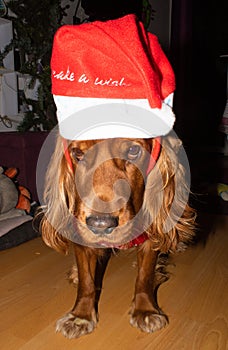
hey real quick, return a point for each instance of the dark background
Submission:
(199, 38)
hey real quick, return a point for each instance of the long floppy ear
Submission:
(59, 201)
(166, 209)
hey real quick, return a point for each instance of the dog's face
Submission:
(101, 194)
(110, 182)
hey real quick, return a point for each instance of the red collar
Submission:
(134, 243)
(153, 159)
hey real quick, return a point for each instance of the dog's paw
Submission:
(147, 321)
(72, 326)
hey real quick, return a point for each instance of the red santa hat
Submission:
(111, 79)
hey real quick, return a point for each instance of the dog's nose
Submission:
(101, 224)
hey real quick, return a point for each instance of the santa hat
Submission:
(111, 79)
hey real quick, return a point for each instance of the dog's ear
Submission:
(51, 236)
(59, 201)
(170, 220)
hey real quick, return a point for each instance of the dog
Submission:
(100, 197)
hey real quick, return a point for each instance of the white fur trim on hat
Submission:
(99, 118)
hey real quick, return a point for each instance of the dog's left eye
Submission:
(134, 152)
(77, 154)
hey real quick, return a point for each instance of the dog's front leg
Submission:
(83, 318)
(145, 313)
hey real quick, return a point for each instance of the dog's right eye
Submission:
(77, 154)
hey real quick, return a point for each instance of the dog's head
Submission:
(99, 193)
(110, 182)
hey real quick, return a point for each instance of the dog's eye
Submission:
(77, 154)
(134, 152)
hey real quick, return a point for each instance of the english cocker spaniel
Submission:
(106, 195)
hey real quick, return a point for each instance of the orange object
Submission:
(24, 197)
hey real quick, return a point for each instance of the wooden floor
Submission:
(34, 293)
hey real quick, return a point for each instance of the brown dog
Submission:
(99, 197)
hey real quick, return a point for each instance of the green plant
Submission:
(35, 23)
